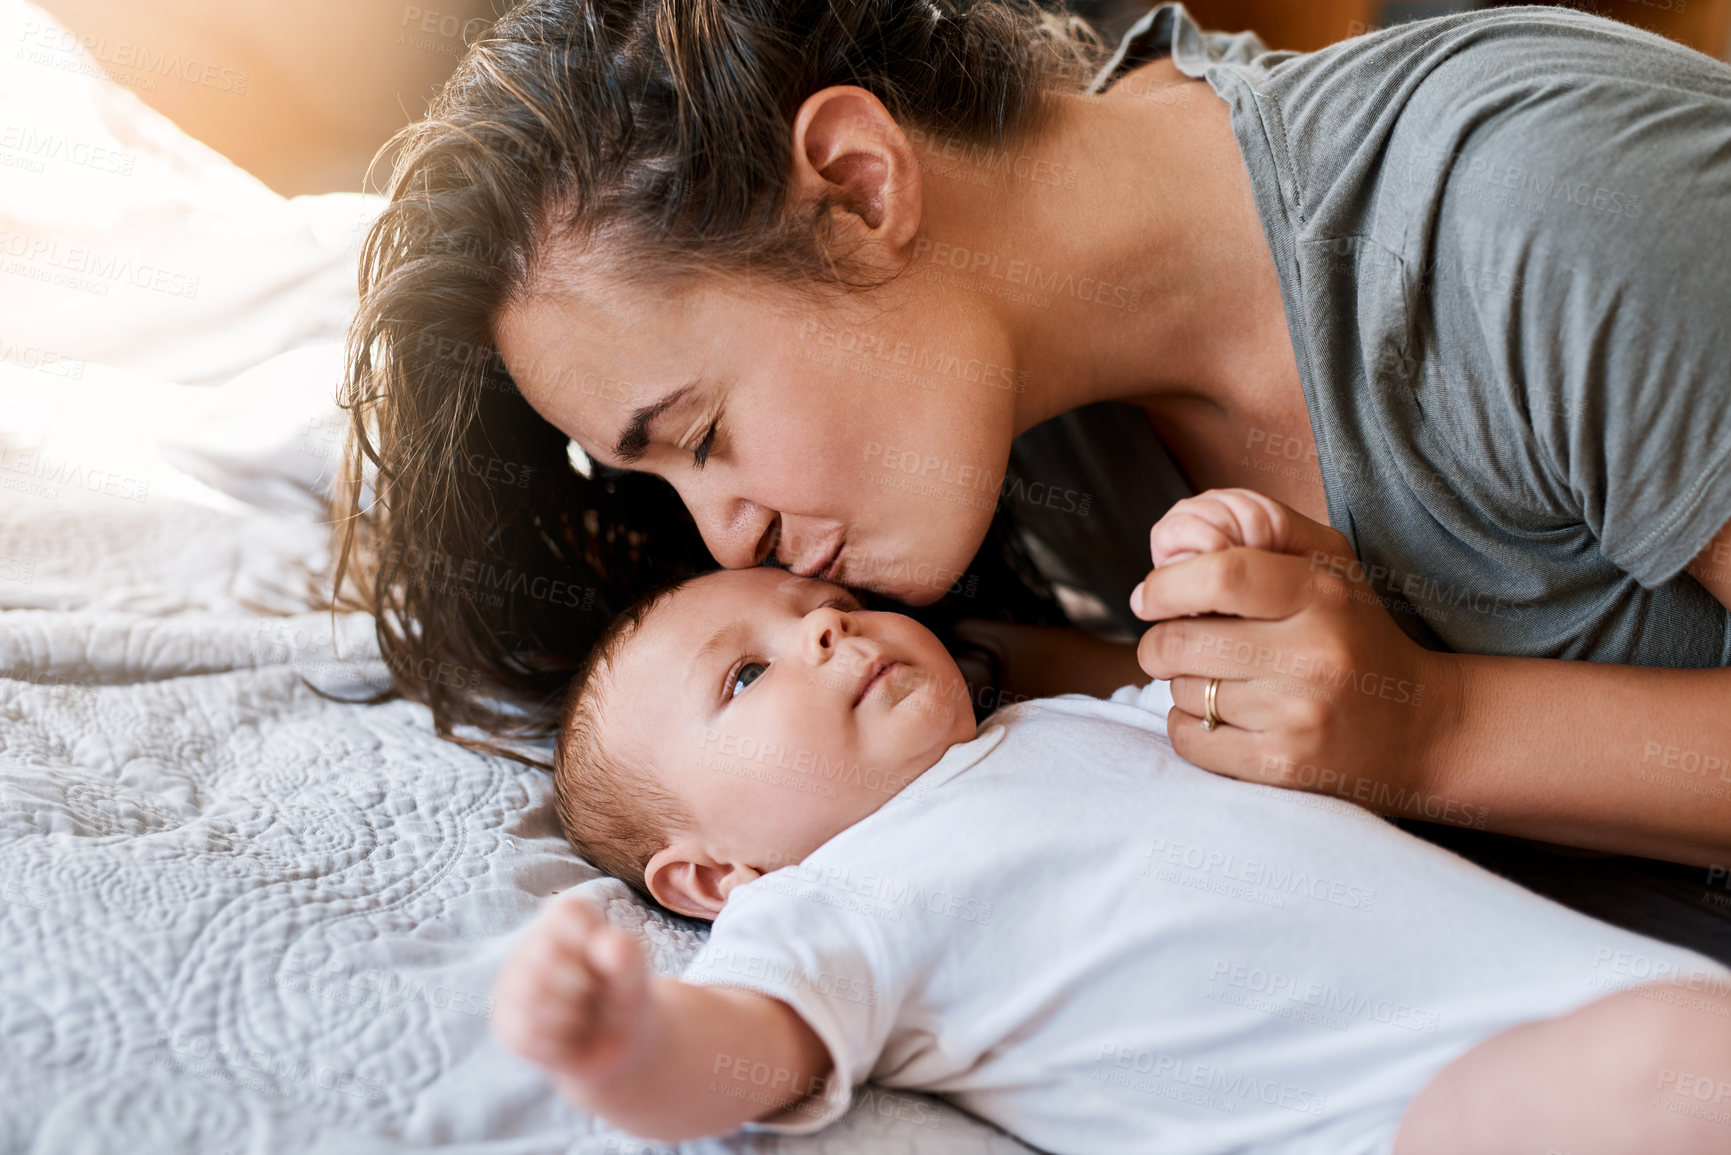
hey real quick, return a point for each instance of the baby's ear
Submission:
(692, 884)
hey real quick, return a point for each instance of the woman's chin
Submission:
(915, 595)
(916, 576)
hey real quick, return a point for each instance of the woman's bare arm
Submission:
(1623, 758)
(1629, 759)
(1041, 661)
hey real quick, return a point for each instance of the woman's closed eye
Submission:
(700, 455)
(742, 676)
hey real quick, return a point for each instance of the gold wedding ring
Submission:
(1210, 696)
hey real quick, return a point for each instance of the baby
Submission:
(1054, 921)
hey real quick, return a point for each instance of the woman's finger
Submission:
(1302, 669)
(1221, 646)
(1246, 705)
(1224, 750)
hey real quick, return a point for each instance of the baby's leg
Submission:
(1644, 1071)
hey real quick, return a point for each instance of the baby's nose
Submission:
(825, 629)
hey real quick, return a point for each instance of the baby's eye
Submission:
(748, 674)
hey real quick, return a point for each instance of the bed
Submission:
(238, 916)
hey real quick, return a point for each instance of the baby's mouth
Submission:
(878, 671)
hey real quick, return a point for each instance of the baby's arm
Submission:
(646, 1052)
(1219, 519)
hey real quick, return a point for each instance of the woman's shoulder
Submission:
(1561, 69)
(1488, 48)
(1335, 111)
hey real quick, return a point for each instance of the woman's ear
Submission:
(848, 147)
(684, 879)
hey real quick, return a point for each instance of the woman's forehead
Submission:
(547, 334)
(585, 365)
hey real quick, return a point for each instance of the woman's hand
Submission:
(1320, 690)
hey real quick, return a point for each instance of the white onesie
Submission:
(1070, 931)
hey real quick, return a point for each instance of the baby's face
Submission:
(780, 713)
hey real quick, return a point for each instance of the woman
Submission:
(1447, 292)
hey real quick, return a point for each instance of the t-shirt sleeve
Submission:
(775, 936)
(1593, 216)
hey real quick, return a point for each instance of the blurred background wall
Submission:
(303, 94)
(299, 93)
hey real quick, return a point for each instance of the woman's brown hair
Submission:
(654, 132)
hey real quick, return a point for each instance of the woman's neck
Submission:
(1153, 218)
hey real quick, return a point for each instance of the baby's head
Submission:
(734, 723)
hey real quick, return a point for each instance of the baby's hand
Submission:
(1219, 519)
(572, 996)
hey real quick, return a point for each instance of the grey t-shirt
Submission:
(1503, 242)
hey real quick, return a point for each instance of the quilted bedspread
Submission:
(239, 917)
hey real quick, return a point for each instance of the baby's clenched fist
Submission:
(1220, 519)
(572, 995)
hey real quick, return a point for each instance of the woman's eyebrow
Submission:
(631, 444)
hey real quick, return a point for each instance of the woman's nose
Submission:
(740, 534)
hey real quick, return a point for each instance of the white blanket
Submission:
(236, 916)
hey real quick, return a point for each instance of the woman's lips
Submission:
(831, 571)
(823, 569)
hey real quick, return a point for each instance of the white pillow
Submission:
(125, 242)
(272, 437)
